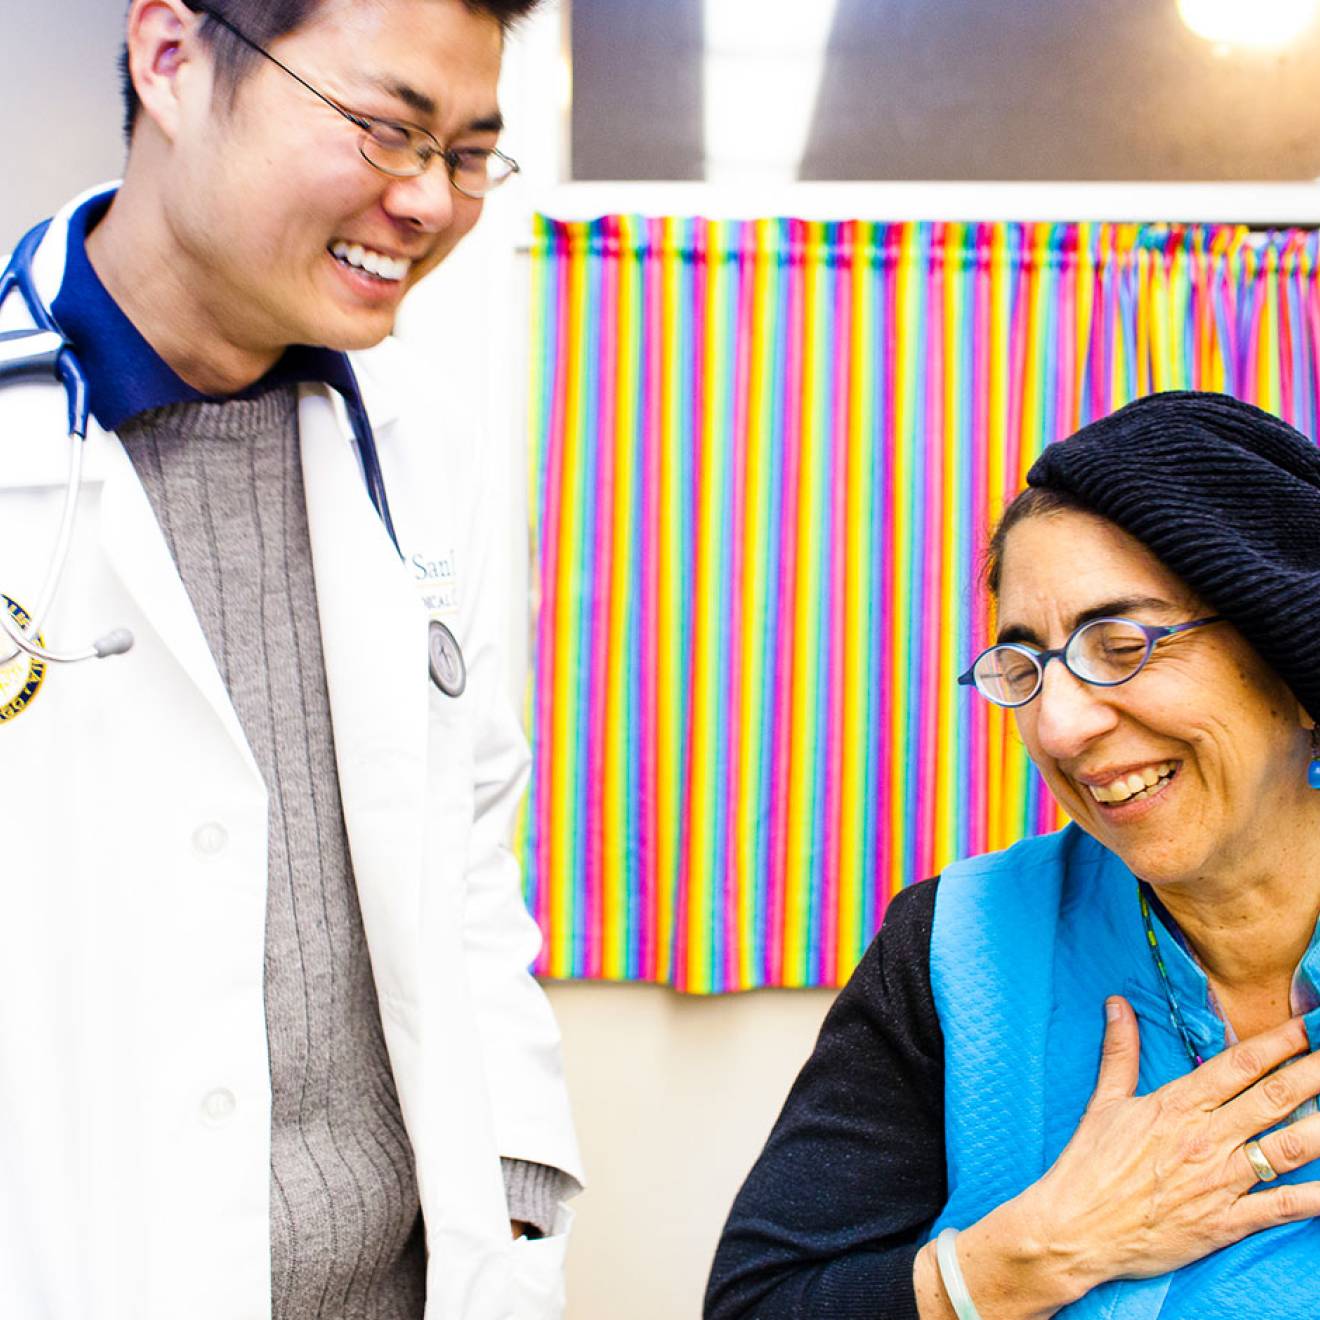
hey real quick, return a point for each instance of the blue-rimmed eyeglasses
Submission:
(401, 150)
(1105, 652)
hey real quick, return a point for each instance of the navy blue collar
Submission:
(125, 375)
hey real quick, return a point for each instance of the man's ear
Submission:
(163, 52)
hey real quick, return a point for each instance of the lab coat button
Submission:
(219, 1105)
(210, 839)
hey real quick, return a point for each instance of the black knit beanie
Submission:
(1226, 496)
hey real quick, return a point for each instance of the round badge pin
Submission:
(20, 678)
(448, 672)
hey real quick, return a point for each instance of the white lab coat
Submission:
(134, 1084)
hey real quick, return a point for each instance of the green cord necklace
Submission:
(1175, 1014)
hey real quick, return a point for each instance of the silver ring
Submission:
(1259, 1161)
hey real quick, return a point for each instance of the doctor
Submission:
(268, 1044)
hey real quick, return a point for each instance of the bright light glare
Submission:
(763, 67)
(1233, 23)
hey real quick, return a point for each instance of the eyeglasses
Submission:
(1103, 652)
(401, 150)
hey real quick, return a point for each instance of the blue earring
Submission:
(1313, 772)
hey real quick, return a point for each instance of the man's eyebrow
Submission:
(425, 106)
(1121, 607)
(409, 95)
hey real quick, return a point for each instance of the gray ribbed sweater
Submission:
(346, 1239)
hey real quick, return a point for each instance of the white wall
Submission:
(674, 1097)
(59, 104)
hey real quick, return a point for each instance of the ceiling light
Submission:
(1267, 23)
(764, 62)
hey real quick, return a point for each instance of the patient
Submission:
(1077, 1077)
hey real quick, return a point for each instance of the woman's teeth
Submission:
(1143, 783)
(378, 264)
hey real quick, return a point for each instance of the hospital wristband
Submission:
(946, 1255)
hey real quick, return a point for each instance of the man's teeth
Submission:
(1142, 783)
(374, 263)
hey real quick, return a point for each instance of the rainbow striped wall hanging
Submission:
(765, 457)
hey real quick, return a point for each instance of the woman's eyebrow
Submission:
(1119, 607)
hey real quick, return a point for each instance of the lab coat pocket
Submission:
(538, 1265)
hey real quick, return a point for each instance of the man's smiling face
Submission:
(300, 239)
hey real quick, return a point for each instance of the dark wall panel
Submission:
(1056, 89)
(637, 101)
(966, 89)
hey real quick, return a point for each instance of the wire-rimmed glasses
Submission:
(1104, 652)
(401, 150)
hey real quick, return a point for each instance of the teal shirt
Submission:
(1026, 946)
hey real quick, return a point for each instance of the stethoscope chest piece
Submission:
(448, 670)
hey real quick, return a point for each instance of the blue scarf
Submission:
(1026, 945)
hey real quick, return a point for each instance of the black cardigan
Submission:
(832, 1215)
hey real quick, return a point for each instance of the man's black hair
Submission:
(264, 21)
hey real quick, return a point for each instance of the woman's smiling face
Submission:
(1213, 736)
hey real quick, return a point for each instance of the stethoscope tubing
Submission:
(47, 352)
(42, 354)
(25, 638)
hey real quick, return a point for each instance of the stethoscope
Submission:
(43, 352)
